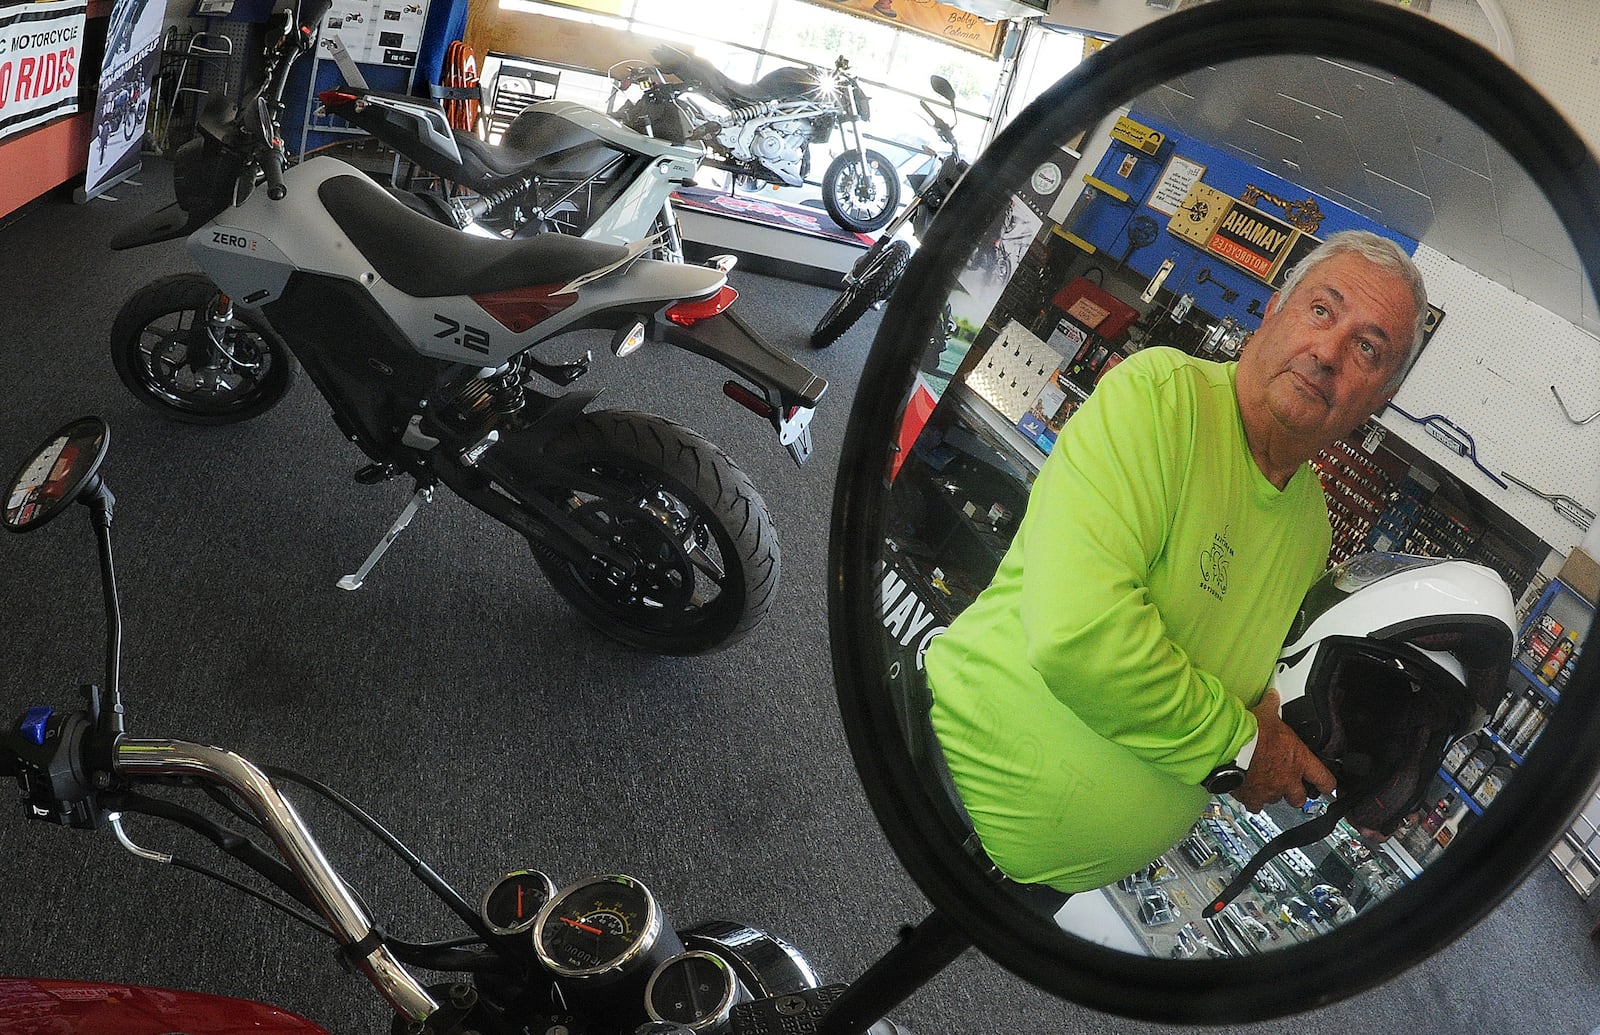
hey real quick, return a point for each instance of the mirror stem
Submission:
(101, 503)
(924, 951)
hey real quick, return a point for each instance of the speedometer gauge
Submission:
(602, 929)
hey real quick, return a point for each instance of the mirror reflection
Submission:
(55, 475)
(1130, 600)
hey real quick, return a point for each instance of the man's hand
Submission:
(1282, 764)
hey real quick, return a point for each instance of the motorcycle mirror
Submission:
(942, 87)
(935, 470)
(62, 470)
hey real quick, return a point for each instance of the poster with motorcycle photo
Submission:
(132, 44)
(379, 32)
(39, 49)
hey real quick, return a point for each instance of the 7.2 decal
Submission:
(467, 336)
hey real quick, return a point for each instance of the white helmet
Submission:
(1390, 659)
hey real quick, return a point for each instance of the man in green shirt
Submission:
(1123, 653)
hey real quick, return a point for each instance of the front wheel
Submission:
(857, 198)
(874, 282)
(702, 546)
(181, 348)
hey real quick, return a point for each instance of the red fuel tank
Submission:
(40, 1006)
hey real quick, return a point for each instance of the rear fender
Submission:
(786, 393)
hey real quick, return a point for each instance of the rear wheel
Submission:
(180, 348)
(860, 198)
(874, 282)
(702, 546)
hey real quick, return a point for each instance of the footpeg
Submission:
(424, 494)
(372, 474)
(563, 373)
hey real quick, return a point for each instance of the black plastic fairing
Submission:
(164, 224)
(356, 355)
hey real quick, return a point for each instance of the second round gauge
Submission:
(512, 904)
(602, 928)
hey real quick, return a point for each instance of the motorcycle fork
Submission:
(218, 316)
(886, 237)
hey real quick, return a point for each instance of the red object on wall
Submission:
(1095, 308)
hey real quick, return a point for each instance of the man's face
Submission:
(1319, 363)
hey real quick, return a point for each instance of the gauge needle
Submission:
(580, 925)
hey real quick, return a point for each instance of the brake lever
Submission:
(272, 161)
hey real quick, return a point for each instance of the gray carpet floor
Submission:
(463, 703)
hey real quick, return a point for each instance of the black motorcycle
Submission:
(875, 274)
(763, 131)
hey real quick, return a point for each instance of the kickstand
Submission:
(424, 494)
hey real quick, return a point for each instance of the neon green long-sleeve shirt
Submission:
(1110, 664)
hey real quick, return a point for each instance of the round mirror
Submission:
(1156, 198)
(59, 471)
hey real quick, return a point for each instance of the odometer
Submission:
(602, 928)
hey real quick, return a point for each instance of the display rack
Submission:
(376, 33)
(1298, 895)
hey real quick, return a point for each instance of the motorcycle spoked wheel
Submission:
(704, 547)
(861, 199)
(875, 281)
(162, 327)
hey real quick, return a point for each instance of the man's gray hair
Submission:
(1385, 254)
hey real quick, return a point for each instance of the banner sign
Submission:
(40, 45)
(133, 40)
(944, 22)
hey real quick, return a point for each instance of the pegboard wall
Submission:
(1489, 370)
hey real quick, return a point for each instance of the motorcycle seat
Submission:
(780, 84)
(542, 141)
(426, 259)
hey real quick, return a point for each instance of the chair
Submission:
(517, 84)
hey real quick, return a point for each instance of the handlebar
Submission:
(60, 763)
(337, 904)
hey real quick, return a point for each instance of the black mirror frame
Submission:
(85, 481)
(1485, 864)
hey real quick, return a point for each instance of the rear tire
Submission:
(860, 199)
(705, 551)
(161, 329)
(875, 282)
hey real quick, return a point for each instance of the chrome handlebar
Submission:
(334, 900)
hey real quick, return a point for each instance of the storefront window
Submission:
(748, 38)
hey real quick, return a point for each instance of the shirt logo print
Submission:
(1214, 565)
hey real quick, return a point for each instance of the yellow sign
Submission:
(943, 22)
(1138, 135)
